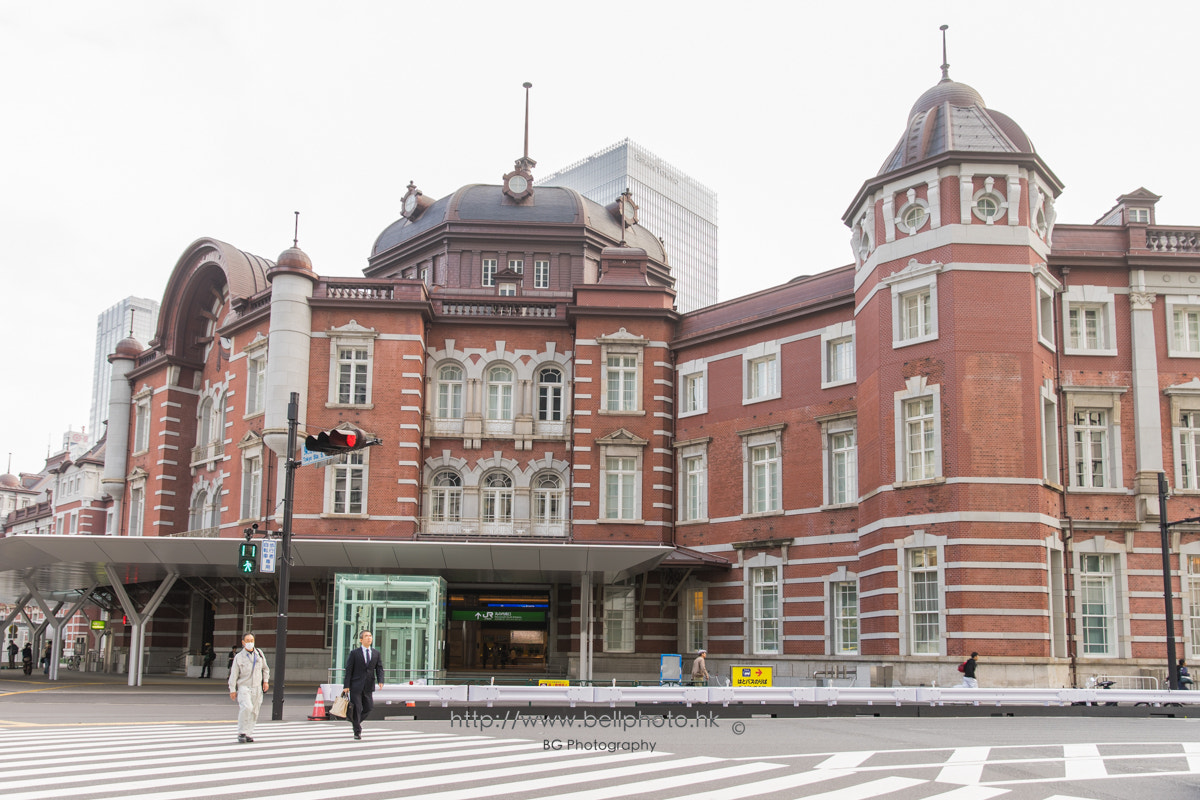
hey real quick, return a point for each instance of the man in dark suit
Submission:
(363, 663)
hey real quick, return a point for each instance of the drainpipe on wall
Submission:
(1068, 535)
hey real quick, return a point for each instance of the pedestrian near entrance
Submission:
(233, 651)
(27, 658)
(46, 658)
(1185, 679)
(700, 669)
(363, 664)
(207, 657)
(12, 654)
(249, 677)
(968, 671)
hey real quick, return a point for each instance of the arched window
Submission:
(550, 394)
(206, 421)
(445, 496)
(497, 498)
(218, 432)
(450, 392)
(196, 513)
(215, 510)
(548, 499)
(500, 393)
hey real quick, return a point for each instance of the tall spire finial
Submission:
(527, 86)
(945, 61)
(296, 231)
(132, 311)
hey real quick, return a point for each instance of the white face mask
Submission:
(249, 645)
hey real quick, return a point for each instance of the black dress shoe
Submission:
(358, 736)
(242, 738)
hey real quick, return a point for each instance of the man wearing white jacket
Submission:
(248, 679)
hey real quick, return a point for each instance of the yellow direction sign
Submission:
(750, 676)
(552, 682)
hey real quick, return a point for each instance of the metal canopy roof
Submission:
(58, 563)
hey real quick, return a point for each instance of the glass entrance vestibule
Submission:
(405, 613)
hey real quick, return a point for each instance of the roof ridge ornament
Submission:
(518, 184)
(945, 61)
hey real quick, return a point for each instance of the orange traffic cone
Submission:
(318, 706)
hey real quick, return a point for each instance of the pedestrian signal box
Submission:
(247, 557)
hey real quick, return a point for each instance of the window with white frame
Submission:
(762, 378)
(549, 500)
(74, 522)
(353, 366)
(205, 420)
(214, 508)
(508, 289)
(693, 479)
(198, 512)
(843, 462)
(1193, 610)
(1097, 604)
(618, 619)
(256, 380)
(844, 600)
(692, 393)
(912, 215)
(1050, 438)
(762, 456)
(914, 303)
(516, 265)
(918, 431)
(489, 272)
(1138, 215)
(1089, 315)
(550, 394)
(621, 488)
(766, 609)
(1184, 319)
(141, 426)
(496, 508)
(621, 363)
(137, 509)
(252, 486)
(621, 383)
(541, 274)
(925, 598)
(1045, 319)
(348, 485)
(445, 497)
(1189, 450)
(1089, 444)
(694, 602)
(916, 314)
(449, 392)
(839, 355)
(500, 393)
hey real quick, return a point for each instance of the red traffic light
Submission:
(338, 440)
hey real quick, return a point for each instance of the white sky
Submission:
(131, 129)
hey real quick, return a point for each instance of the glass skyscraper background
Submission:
(113, 325)
(671, 204)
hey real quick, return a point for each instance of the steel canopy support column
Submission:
(585, 627)
(138, 634)
(56, 622)
(20, 604)
(285, 563)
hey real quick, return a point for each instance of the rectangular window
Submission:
(694, 488)
(620, 484)
(845, 617)
(1189, 450)
(924, 600)
(1186, 329)
(251, 487)
(541, 274)
(1090, 443)
(1046, 314)
(621, 383)
(764, 472)
(141, 427)
(1085, 331)
(1097, 601)
(516, 265)
(349, 486)
(489, 272)
(767, 615)
(137, 510)
(618, 619)
(919, 439)
(916, 314)
(1050, 439)
(694, 620)
(256, 382)
(843, 467)
(762, 378)
(692, 393)
(508, 290)
(840, 357)
(352, 375)
(1141, 215)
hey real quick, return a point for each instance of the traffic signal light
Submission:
(247, 558)
(338, 440)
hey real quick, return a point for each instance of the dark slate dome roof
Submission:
(952, 116)
(548, 205)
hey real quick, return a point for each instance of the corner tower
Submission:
(954, 322)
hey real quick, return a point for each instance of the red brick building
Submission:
(951, 445)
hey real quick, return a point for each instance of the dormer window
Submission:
(508, 290)
(1139, 215)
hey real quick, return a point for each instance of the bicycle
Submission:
(73, 662)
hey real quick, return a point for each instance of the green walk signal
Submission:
(247, 558)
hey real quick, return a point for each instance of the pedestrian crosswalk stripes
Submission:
(306, 761)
